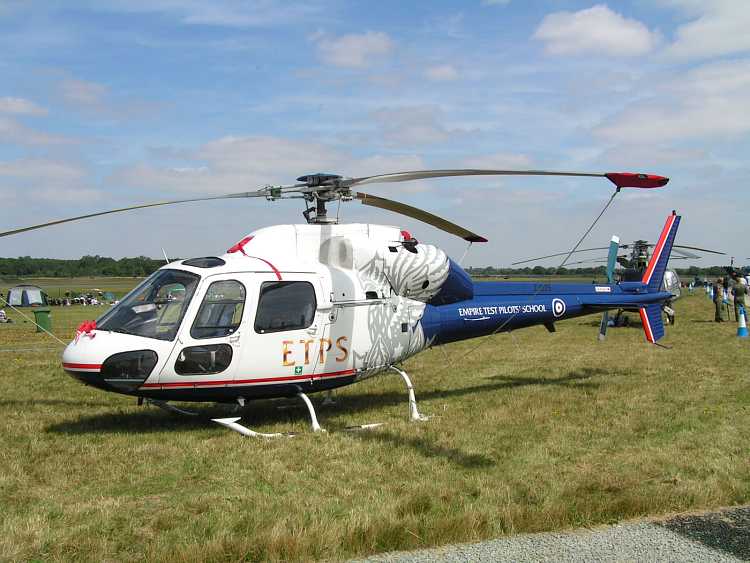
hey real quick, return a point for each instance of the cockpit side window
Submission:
(285, 306)
(220, 313)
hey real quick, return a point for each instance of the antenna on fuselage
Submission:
(463, 256)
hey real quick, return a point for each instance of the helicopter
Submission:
(634, 264)
(295, 309)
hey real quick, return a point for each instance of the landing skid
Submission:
(171, 408)
(233, 424)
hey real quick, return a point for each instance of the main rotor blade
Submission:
(620, 179)
(683, 254)
(131, 208)
(420, 215)
(699, 249)
(589, 261)
(560, 254)
(681, 246)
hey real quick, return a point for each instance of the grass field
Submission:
(56, 287)
(530, 431)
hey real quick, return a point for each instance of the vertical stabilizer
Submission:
(653, 277)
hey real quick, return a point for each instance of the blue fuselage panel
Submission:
(504, 306)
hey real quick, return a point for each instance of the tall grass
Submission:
(531, 431)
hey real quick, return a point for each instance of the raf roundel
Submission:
(558, 307)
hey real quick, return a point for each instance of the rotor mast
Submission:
(318, 215)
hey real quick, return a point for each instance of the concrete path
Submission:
(715, 536)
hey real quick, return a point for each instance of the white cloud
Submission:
(36, 169)
(83, 93)
(95, 98)
(495, 2)
(596, 30)
(441, 73)
(499, 161)
(233, 164)
(50, 180)
(354, 50)
(13, 132)
(721, 28)
(413, 125)
(20, 106)
(649, 156)
(225, 13)
(708, 102)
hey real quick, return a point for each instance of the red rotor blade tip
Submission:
(635, 180)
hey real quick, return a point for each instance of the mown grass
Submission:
(530, 431)
(56, 287)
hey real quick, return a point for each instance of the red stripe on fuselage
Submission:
(246, 381)
(657, 251)
(275, 271)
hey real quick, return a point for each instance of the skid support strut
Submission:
(329, 400)
(315, 426)
(233, 423)
(413, 412)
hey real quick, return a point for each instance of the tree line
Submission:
(87, 266)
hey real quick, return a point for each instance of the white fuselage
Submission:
(361, 293)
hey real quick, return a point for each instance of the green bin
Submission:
(43, 320)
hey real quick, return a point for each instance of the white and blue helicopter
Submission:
(296, 309)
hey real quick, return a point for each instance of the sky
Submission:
(109, 104)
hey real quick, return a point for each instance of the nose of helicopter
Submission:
(108, 361)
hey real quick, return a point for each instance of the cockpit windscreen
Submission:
(155, 308)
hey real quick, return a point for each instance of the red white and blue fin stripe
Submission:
(654, 274)
(653, 325)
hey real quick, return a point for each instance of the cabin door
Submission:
(207, 348)
(283, 336)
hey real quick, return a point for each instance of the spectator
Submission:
(719, 300)
(740, 292)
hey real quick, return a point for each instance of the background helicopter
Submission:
(634, 263)
(294, 309)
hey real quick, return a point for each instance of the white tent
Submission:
(26, 296)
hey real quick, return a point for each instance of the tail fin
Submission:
(653, 325)
(653, 277)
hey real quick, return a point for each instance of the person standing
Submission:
(740, 292)
(719, 300)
